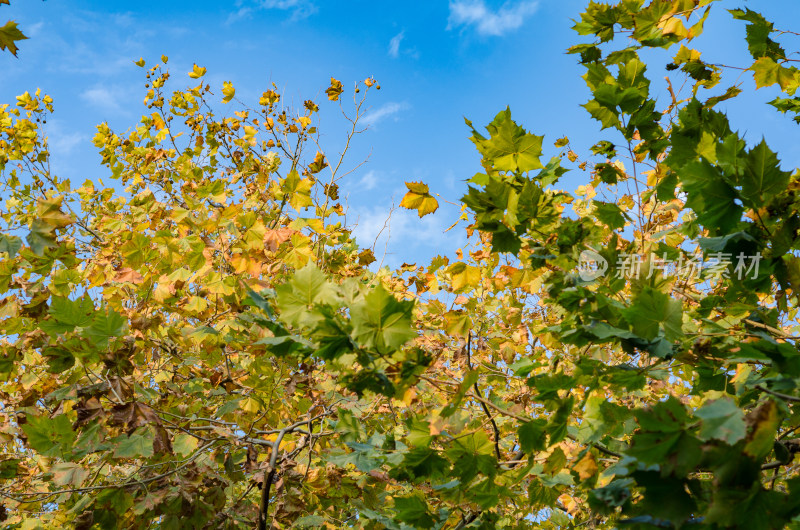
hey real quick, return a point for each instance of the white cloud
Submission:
(61, 140)
(384, 111)
(394, 44)
(110, 98)
(402, 235)
(486, 22)
(300, 8)
(33, 30)
(368, 181)
(64, 144)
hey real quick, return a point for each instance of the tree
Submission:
(202, 344)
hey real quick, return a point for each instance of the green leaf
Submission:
(184, 444)
(665, 416)
(472, 454)
(419, 433)
(49, 436)
(138, 444)
(41, 237)
(105, 325)
(532, 436)
(414, 511)
(758, 31)
(308, 286)
(602, 114)
(722, 420)
(510, 147)
(10, 245)
(424, 462)
(69, 314)
(381, 321)
(310, 521)
(653, 311)
(710, 196)
(762, 179)
(610, 214)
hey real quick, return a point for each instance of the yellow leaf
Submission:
(673, 26)
(228, 91)
(335, 90)
(250, 405)
(49, 211)
(196, 304)
(463, 276)
(300, 190)
(140, 62)
(586, 466)
(569, 503)
(197, 72)
(457, 323)
(418, 198)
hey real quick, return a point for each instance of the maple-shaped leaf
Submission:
(40, 237)
(652, 311)
(299, 190)
(308, 287)
(105, 325)
(464, 277)
(70, 314)
(425, 462)
(510, 147)
(758, 31)
(318, 164)
(335, 90)
(722, 420)
(67, 473)
(197, 72)
(763, 178)
(381, 321)
(138, 444)
(419, 198)
(128, 275)
(9, 34)
(414, 511)
(586, 467)
(228, 91)
(49, 436)
(10, 245)
(49, 211)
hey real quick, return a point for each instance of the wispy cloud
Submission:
(61, 140)
(487, 22)
(300, 9)
(401, 234)
(394, 44)
(108, 98)
(34, 30)
(384, 111)
(368, 181)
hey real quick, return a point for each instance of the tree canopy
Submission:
(200, 342)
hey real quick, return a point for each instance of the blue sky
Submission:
(437, 62)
